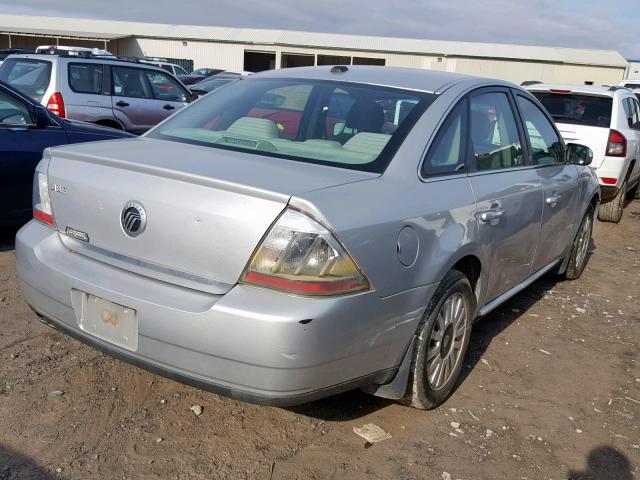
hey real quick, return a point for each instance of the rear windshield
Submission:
(353, 126)
(588, 110)
(210, 85)
(30, 76)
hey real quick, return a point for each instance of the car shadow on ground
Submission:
(17, 465)
(604, 463)
(356, 404)
(7, 238)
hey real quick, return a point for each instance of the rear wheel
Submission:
(580, 248)
(612, 210)
(442, 343)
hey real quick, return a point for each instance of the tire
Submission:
(636, 191)
(424, 392)
(580, 248)
(612, 210)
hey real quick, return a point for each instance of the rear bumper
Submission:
(249, 344)
(612, 167)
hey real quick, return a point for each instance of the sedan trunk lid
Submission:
(206, 209)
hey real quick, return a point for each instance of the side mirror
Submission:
(42, 118)
(579, 154)
(194, 96)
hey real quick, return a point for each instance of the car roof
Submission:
(600, 90)
(430, 81)
(74, 58)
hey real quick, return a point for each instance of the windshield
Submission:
(353, 126)
(29, 76)
(588, 110)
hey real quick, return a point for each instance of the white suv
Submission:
(607, 119)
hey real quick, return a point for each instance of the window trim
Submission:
(471, 160)
(70, 64)
(521, 119)
(436, 137)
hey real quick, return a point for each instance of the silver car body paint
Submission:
(204, 220)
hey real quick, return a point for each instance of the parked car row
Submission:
(303, 232)
(607, 120)
(95, 86)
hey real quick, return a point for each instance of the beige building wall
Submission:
(519, 71)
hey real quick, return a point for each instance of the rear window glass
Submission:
(588, 110)
(211, 85)
(85, 77)
(353, 126)
(29, 76)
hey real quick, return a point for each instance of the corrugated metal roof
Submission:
(47, 32)
(75, 26)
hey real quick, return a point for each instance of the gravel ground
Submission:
(551, 390)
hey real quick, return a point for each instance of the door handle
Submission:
(122, 104)
(491, 216)
(168, 107)
(553, 200)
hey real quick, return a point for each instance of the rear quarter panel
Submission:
(367, 216)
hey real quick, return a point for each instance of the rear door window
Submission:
(130, 82)
(85, 77)
(546, 147)
(30, 76)
(578, 109)
(494, 132)
(635, 113)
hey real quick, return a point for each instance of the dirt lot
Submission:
(551, 391)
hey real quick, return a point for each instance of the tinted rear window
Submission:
(588, 110)
(354, 126)
(30, 76)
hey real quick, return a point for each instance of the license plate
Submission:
(109, 321)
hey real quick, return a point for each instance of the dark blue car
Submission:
(26, 129)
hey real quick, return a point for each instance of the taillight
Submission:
(616, 145)
(608, 180)
(299, 255)
(41, 200)
(56, 104)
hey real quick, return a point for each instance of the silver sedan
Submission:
(307, 231)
